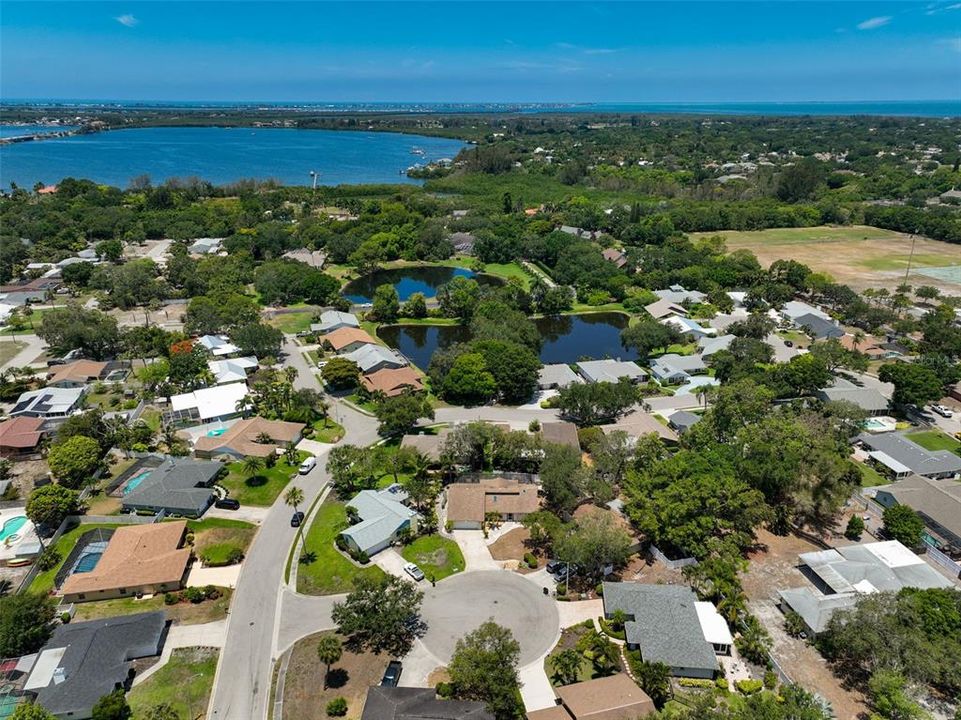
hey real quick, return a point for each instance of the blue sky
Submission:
(471, 52)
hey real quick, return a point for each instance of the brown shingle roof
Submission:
(20, 432)
(610, 698)
(472, 501)
(78, 371)
(560, 433)
(346, 336)
(393, 381)
(136, 555)
(242, 437)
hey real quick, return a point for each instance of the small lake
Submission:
(567, 338)
(411, 280)
(222, 155)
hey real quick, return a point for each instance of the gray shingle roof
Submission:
(818, 326)
(868, 399)
(938, 501)
(610, 370)
(683, 420)
(405, 703)
(665, 625)
(181, 485)
(96, 659)
(911, 455)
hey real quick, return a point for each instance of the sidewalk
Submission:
(212, 634)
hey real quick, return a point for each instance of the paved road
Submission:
(242, 686)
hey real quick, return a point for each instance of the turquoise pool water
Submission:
(87, 562)
(135, 481)
(11, 526)
(216, 433)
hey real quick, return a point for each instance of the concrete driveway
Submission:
(392, 563)
(220, 576)
(474, 547)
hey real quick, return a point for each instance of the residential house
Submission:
(205, 246)
(20, 437)
(708, 346)
(665, 308)
(83, 661)
(560, 433)
(463, 243)
(410, 703)
(429, 445)
(610, 370)
(682, 421)
(615, 697)
(677, 294)
(673, 369)
(867, 399)
(613, 255)
(393, 381)
(232, 369)
(840, 576)
(556, 376)
(469, 503)
(668, 624)
(794, 309)
(738, 297)
(211, 404)
(346, 339)
(383, 516)
(218, 345)
(638, 424)
(32, 291)
(900, 457)
(51, 404)
(818, 328)
(178, 486)
(579, 232)
(938, 502)
(371, 358)
(688, 327)
(77, 373)
(950, 197)
(245, 438)
(312, 258)
(138, 560)
(331, 320)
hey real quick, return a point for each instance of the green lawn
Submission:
(261, 488)
(31, 323)
(508, 271)
(217, 539)
(329, 572)
(183, 613)
(328, 431)
(292, 322)
(184, 683)
(871, 477)
(153, 418)
(9, 350)
(437, 556)
(802, 236)
(934, 440)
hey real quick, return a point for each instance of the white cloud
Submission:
(127, 20)
(875, 22)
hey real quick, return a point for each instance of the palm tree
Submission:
(294, 497)
(329, 650)
(290, 454)
(858, 338)
(252, 465)
(264, 438)
(567, 664)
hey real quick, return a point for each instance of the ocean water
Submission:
(17, 130)
(222, 155)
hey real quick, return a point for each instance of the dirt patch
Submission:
(644, 569)
(511, 545)
(304, 693)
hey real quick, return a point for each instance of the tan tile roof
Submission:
(136, 555)
(78, 370)
(472, 501)
(20, 432)
(555, 712)
(610, 698)
(242, 437)
(429, 445)
(560, 433)
(393, 381)
(346, 336)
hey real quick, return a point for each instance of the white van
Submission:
(307, 465)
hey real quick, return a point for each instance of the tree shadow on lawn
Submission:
(256, 481)
(306, 558)
(337, 678)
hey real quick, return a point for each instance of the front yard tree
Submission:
(50, 504)
(469, 382)
(112, 707)
(386, 304)
(594, 403)
(567, 665)
(595, 542)
(562, 478)
(294, 497)
(484, 668)
(73, 462)
(913, 384)
(76, 328)
(329, 651)
(904, 525)
(380, 615)
(400, 413)
(341, 374)
(648, 335)
(25, 623)
(33, 711)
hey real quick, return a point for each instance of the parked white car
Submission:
(943, 411)
(414, 571)
(307, 465)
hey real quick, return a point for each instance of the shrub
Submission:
(49, 558)
(362, 558)
(65, 617)
(448, 526)
(534, 425)
(770, 680)
(599, 589)
(721, 684)
(171, 599)
(337, 707)
(589, 436)
(193, 594)
(696, 683)
(748, 687)
(855, 528)
(341, 542)
(444, 690)
(530, 560)
(211, 592)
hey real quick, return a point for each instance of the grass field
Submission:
(934, 440)
(329, 572)
(184, 613)
(871, 477)
(261, 488)
(292, 322)
(215, 539)
(859, 255)
(437, 556)
(9, 350)
(184, 683)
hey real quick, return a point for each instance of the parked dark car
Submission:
(552, 566)
(227, 504)
(392, 674)
(296, 519)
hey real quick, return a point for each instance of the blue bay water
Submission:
(222, 155)
(19, 130)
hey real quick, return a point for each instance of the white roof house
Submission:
(793, 309)
(677, 294)
(556, 376)
(610, 370)
(382, 516)
(49, 402)
(218, 345)
(205, 246)
(213, 403)
(331, 320)
(232, 369)
(370, 358)
(686, 326)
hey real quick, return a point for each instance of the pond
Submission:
(424, 279)
(566, 338)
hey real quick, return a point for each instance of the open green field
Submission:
(9, 350)
(292, 322)
(329, 572)
(437, 556)
(184, 683)
(934, 440)
(262, 487)
(803, 236)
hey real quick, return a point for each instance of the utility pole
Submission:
(914, 238)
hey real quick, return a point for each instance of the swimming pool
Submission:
(216, 433)
(135, 481)
(11, 526)
(87, 562)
